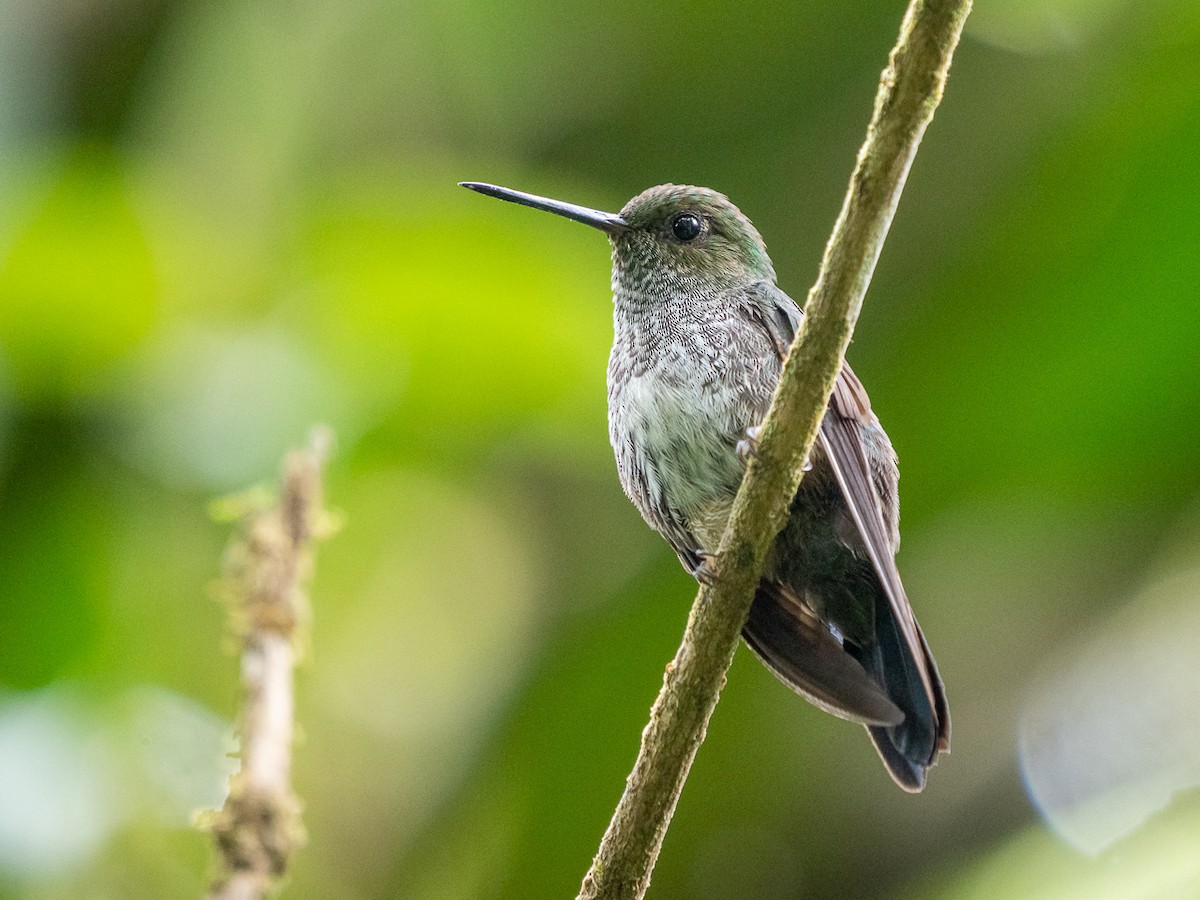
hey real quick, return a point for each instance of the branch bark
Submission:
(909, 91)
(266, 568)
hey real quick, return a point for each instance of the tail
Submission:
(802, 652)
(911, 747)
(879, 686)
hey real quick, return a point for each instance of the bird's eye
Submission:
(686, 227)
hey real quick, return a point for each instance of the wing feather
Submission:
(841, 437)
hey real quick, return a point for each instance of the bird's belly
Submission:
(675, 442)
(708, 523)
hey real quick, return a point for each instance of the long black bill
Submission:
(611, 223)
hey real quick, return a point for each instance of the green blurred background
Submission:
(222, 222)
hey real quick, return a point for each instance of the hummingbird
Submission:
(701, 330)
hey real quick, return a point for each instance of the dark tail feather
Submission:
(802, 653)
(911, 747)
(880, 686)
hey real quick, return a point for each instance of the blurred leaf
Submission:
(77, 282)
(463, 316)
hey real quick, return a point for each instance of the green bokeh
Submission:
(221, 223)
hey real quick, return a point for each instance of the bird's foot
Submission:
(705, 569)
(747, 447)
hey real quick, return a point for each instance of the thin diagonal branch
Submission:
(909, 91)
(266, 569)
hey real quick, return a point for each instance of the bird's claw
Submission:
(705, 570)
(747, 447)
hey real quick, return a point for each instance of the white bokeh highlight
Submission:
(1111, 736)
(75, 769)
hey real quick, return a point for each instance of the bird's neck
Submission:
(658, 318)
(668, 294)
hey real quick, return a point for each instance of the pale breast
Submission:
(684, 384)
(674, 437)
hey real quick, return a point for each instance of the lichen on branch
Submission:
(266, 569)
